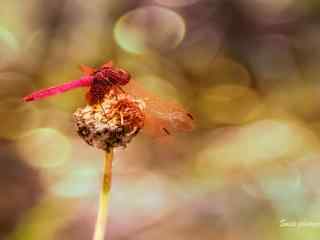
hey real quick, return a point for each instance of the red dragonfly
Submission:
(162, 117)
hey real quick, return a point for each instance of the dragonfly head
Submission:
(115, 75)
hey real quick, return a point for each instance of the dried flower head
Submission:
(111, 123)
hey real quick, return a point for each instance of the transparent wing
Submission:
(107, 64)
(162, 117)
(86, 70)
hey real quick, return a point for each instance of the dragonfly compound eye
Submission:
(124, 76)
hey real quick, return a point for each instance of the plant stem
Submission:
(99, 231)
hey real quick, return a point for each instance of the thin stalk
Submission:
(99, 231)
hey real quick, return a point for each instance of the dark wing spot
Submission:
(190, 116)
(166, 131)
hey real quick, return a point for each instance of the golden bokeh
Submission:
(9, 46)
(257, 144)
(45, 148)
(230, 104)
(134, 32)
(227, 71)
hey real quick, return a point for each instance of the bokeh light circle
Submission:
(256, 145)
(8, 38)
(9, 45)
(80, 182)
(230, 104)
(228, 71)
(17, 117)
(149, 28)
(176, 3)
(45, 148)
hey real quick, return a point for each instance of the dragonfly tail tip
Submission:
(28, 98)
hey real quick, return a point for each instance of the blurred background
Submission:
(247, 70)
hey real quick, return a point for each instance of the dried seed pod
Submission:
(111, 123)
